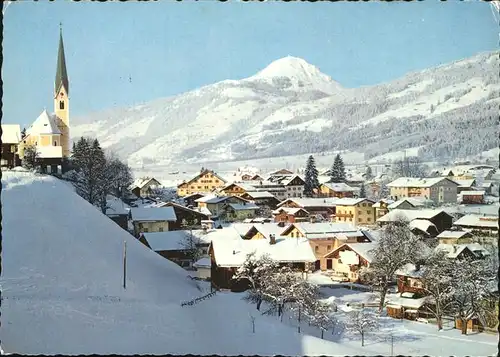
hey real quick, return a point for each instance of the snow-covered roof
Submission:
(245, 186)
(310, 202)
(116, 206)
(398, 301)
(144, 214)
(204, 262)
(243, 207)
(465, 183)
(11, 133)
(472, 220)
(453, 234)
(266, 229)
(350, 201)
(362, 249)
(203, 210)
(454, 250)
(260, 194)
(410, 215)
(472, 193)
(417, 182)
(414, 201)
(49, 151)
(422, 225)
(308, 228)
(410, 270)
(44, 124)
(173, 240)
(141, 182)
(211, 199)
(232, 253)
(288, 179)
(288, 210)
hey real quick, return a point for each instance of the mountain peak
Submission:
(300, 72)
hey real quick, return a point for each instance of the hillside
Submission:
(62, 292)
(291, 108)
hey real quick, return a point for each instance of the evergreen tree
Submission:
(31, 159)
(362, 191)
(337, 172)
(368, 173)
(311, 177)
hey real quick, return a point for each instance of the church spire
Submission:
(61, 74)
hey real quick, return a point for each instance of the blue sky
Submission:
(168, 48)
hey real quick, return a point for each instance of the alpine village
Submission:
(406, 233)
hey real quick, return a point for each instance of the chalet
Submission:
(117, 211)
(441, 220)
(339, 190)
(322, 206)
(145, 187)
(437, 189)
(275, 188)
(218, 205)
(472, 197)
(184, 214)
(174, 245)
(157, 219)
(228, 252)
(261, 198)
(358, 211)
(294, 186)
(256, 178)
(11, 136)
(474, 223)
(237, 189)
(290, 215)
(382, 207)
(206, 181)
(411, 203)
(282, 172)
(190, 200)
(409, 279)
(349, 258)
(465, 185)
(323, 237)
(454, 237)
(424, 228)
(262, 231)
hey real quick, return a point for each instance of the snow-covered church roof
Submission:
(44, 124)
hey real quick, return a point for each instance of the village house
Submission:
(190, 200)
(487, 187)
(293, 184)
(290, 215)
(438, 189)
(481, 224)
(228, 251)
(203, 268)
(175, 245)
(258, 230)
(190, 216)
(408, 305)
(11, 136)
(145, 187)
(439, 218)
(348, 259)
(465, 185)
(358, 211)
(281, 172)
(382, 207)
(117, 211)
(338, 190)
(411, 203)
(236, 189)
(240, 211)
(218, 205)
(472, 197)
(315, 206)
(275, 188)
(455, 237)
(205, 182)
(261, 198)
(323, 237)
(154, 219)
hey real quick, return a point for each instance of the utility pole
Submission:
(124, 264)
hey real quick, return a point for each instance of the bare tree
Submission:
(362, 321)
(191, 243)
(323, 318)
(396, 247)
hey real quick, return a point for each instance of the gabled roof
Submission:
(384, 200)
(176, 205)
(141, 182)
(266, 229)
(310, 202)
(413, 201)
(339, 187)
(287, 180)
(454, 234)
(418, 182)
(465, 183)
(289, 210)
(324, 230)
(350, 201)
(194, 194)
(116, 206)
(143, 214)
(362, 249)
(259, 194)
(11, 133)
(422, 225)
(454, 250)
(410, 215)
(213, 199)
(173, 240)
(201, 174)
(472, 220)
(244, 186)
(243, 207)
(472, 193)
(44, 124)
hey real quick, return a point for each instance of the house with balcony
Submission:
(358, 211)
(205, 182)
(339, 190)
(438, 189)
(290, 215)
(486, 225)
(382, 207)
(349, 258)
(455, 237)
(145, 187)
(315, 206)
(437, 218)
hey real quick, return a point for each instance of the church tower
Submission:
(61, 98)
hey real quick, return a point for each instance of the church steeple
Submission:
(61, 73)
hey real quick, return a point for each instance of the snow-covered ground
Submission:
(62, 294)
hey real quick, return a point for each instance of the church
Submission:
(49, 133)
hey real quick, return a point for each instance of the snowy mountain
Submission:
(291, 108)
(62, 288)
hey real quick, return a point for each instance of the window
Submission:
(61, 104)
(368, 211)
(328, 247)
(363, 204)
(160, 229)
(369, 219)
(360, 220)
(55, 143)
(360, 213)
(316, 249)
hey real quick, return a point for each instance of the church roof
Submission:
(44, 124)
(61, 73)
